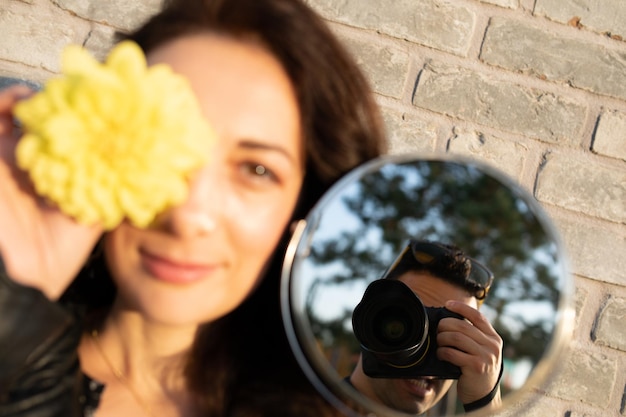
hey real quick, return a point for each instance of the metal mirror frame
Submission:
(316, 367)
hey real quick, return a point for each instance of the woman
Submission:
(182, 318)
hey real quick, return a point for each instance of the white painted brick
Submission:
(588, 376)
(122, 14)
(504, 154)
(517, 46)
(408, 133)
(610, 136)
(611, 326)
(472, 96)
(442, 25)
(600, 16)
(580, 185)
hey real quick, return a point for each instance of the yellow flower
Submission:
(114, 140)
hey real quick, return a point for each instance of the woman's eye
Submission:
(259, 171)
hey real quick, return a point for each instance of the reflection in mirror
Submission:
(357, 230)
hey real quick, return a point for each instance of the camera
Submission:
(398, 334)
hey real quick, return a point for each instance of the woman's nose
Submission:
(199, 213)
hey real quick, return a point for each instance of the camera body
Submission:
(398, 334)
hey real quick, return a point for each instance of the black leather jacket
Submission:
(39, 369)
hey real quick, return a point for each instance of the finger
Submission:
(475, 317)
(467, 354)
(459, 341)
(458, 333)
(453, 325)
(478, 375)
(466, 327)
(11, 95)
(456, 357)
(8, 98)
(461, 335)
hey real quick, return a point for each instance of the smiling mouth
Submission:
(418, 383)
(174, 272)
(419, 387)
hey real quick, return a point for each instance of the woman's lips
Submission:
(171, 271)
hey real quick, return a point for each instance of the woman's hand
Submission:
(474, 346)
(40, 246)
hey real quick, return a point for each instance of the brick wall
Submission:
(535, 87)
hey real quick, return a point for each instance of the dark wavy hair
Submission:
(241, 364)
(448, 263)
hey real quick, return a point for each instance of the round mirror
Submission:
(357, 230)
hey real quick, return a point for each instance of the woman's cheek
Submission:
(264, 222)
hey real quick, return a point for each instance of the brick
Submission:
(580, 298)
(473, 96)
(100, 41)
(35, 36)
(386, 67)
(517, 47)
(511, 4)
(594, 375)
(534, 406)
(578, 414)
(408, 133)
(580, 185)
(611, 324)
(586, 246)
(15, 70)
(506, 155)
(122, 14)
(610, 136)
(599, 16)
(444, 26)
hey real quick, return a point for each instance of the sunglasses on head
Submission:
(427, 254)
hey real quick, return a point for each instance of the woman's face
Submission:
(201, 259)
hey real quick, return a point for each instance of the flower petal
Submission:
(102, 138)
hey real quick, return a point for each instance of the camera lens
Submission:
(391, 322)
(391, 327)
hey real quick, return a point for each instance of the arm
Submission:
(42, 250)
(41, 247)
(475, 347)
(39, 370)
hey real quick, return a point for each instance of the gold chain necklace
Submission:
(119, 375)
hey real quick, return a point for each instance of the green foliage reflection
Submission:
(370, 223)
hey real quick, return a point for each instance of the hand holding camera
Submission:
(475, 347)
